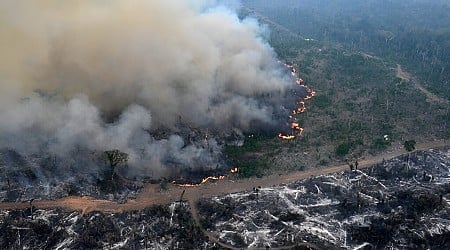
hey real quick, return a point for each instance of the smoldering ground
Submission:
(78, 77)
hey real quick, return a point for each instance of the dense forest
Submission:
(414, 33)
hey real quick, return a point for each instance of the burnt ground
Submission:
(396, 203)
(401, 203)
(158, 227)
(42, 177)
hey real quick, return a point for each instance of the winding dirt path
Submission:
(151, 195)
(430, 96)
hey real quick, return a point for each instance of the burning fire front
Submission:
(296, 129)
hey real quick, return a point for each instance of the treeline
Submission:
(413, 33)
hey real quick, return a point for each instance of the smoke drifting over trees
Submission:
(81, 76)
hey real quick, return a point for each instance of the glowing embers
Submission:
(203, 181)
(286, 137)
(187, 185)
(206, 179)
(301, 109)
(297, 130)
(295, 126)
(233, 170)
(309, 93)
(294, 68)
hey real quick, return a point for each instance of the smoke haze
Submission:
(80, 76)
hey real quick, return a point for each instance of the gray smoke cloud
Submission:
(81, 76)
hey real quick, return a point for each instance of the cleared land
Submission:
(151, 195)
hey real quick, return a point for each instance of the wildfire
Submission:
(286, 137)
(204, 180)
(188, 185)
(297, 130)
(302, 107)
(296, 126)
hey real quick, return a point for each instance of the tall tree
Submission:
(409, 146)
(115, 158)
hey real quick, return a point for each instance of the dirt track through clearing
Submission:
(151, 195)
(430, 96)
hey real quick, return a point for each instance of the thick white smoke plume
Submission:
(93, 75)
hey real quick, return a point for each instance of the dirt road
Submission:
(430, 96)
(151, 195)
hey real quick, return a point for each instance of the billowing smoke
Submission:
(146, 77)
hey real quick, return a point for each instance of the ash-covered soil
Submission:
(402, 203)
(39, 177)
(159, 227)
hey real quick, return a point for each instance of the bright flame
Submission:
(286, 137)
(234, 170)
(297, 129)
(221, 177)
(302, 107)
(204, 180)
(188, 185)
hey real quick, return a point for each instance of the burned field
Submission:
(158, 227)
(401, 203)
(37, 177)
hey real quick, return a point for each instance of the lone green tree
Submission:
(409, 145)
(115, 158)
